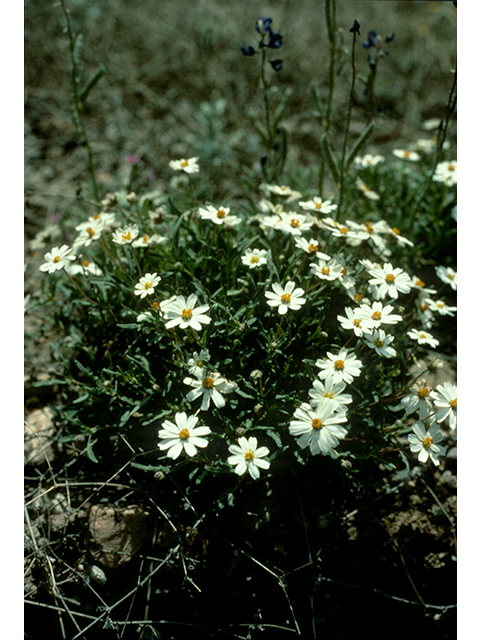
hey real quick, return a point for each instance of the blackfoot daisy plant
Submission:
(288, 316)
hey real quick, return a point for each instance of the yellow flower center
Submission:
(294, 223)
(186, 314)
(184, 434)
(155, 306)
(221, 213)
(369, 227)
(312, 248)
(419, 283)
(325, 270)
(91, 232)
(207, 383)
(451, 167)
(427, 442)
(339, 364)
(390, 277)
(396, 231)
(85, 263)
(406, 154)
(316, 424)
(184, 163)
(377, 315)
(96, 216)
(145, 239)
(453, 403)
(249, 455)
(56, 259)
(423, 392)
(344, 230)
(285, 298)
(357, 322)
(328, 394)
(147, 284)
(126, 236)
(318, 205)
(379, 343)
(254, 259)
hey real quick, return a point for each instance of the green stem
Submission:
(347, 127)
(77, 104)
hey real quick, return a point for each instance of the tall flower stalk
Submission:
(80, 94)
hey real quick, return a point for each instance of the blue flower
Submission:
(372, 40)
(248, 51)
(276, 64)
(263, 25)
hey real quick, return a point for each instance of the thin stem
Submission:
(331, 29)
(449, 111)
(79, 288)
(77, 104)
(347, 126)
(136, 261)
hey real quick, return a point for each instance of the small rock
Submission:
(116, 534)
(39, 435)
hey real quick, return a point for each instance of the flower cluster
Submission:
(300, 258)
(270, 40)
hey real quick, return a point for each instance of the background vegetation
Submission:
(306, 551)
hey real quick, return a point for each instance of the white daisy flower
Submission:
(365, 191)
(310, 247)
(378, 313)
(403, 154)
(189, 165)
(318, 427)
(219, 215)
(446, 172)
(423, 337)
(426, 442)
(354, 320)
(247, 457)
(445, 401)
(254, 258)
(208, 386)
(285, 298)
(341, 367)
(100, 220)
(182, 312)
(441, 307)
(125, 235)
(327, 269)
(282, 190)
(380, 341)
(318, 205)
(147, 284)
(57, 259)
(325, 391)
(85, 267)
(182, 436)
(418, 400)
(389, 280)
(148, 241)
(368, 160)
(294, 223)
(447, 275)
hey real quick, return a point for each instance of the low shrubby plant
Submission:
(254, 333)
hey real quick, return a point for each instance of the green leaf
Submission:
(367, 132)
(327, 154)
(90, 444)
(91, 82)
